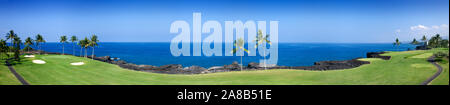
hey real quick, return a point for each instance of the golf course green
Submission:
(404, 68)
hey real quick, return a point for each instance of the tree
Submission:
(415, 42)
(73, 39)
(39, 39)
(3, 48)
(63, 40)
(260, 40)
(81, 44)
(11, 35)
(28, 42)
(436, 41)
(445, 43)
(17, 42)
(397, 43)
(239, 44)
(84, 44)
(93, 43)
(424, 40)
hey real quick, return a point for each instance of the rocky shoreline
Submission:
(179, 69)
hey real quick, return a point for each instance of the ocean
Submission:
(289, 54)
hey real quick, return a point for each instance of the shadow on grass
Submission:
(12, 61)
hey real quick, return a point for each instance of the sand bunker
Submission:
(29, 56)
(77, 63)
(39, 61)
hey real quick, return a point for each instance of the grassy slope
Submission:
(442, 79)
(6, 77)
(405, 68)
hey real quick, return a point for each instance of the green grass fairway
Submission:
(6, 77)
(443, 79)
(405, 68)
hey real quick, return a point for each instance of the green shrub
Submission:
(441, 55)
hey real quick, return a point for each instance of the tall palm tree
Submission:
(39, 39)
(438, 40)
(397, 43)
(435, 41)
(239, 44)
(63, 40)
(85, 44)
(3, 48)
(73, 39)
(81, 44)
(17, 42)
(11, 35)
(93, 43)
(262, 40)
(28, 42)
(424, 40)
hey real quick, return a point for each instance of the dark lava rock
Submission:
(195, 69)
(377, 55)
(253, 65)
(129, 66)
(170, 67)
(146, 67)
(119, 62)
(327, 65)
(233, 67)
(103, 59)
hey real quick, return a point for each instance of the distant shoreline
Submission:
(179, 69)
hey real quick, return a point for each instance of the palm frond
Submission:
(248, 52)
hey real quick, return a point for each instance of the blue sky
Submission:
(330, 21)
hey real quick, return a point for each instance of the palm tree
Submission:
(81, 44)
(424, 40)
(415, 42)
(85, 44)
(260, 39)
(39, 39)
(438, 40)
(73, 39)
(3, 47)
(62, 41)
(93, 43)
(397, 43)
(17, 42)
(11, 35)
(435, 41)
(28, 42)
(239, 44)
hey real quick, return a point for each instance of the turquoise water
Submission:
(290, 54)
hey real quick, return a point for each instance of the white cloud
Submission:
(435, 27)
(420, 30)
(445, 26)
(398, 30)
(419, 27)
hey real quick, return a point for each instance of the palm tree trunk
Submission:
(93, 48)
(63, 50)
(11, 45)
(81, 51)
(39, 49)
(73, 49)
(264, 50)
(241, 63)
(85, 52)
